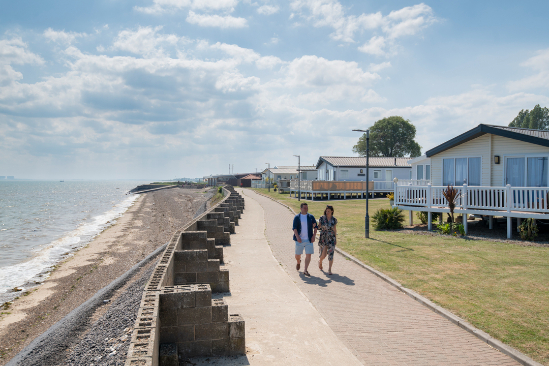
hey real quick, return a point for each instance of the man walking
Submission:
(304, 236)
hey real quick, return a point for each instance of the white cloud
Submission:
(144, 41)
(330, 13)
(313, 71)
(268, 9)
(235, 81)
(268, 62)
(375, 46)
(379, 67)
(241, 54)
(162, 6)
(408, 21)
(540, 65)
(62, 36)
(206, 20)
(15, 51)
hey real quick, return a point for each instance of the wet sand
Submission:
(147, 225)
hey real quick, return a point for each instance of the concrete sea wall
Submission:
(177, 316)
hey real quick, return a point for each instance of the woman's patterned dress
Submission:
(327, 236)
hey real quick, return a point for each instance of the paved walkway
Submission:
(282, 326)
(379, 324)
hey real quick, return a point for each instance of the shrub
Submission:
(390, 196)
(388, 219)
(220, 190)
(451, 229)
(422, 216)
(528, 229)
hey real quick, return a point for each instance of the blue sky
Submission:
(159, 89)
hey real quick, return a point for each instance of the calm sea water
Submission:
(42, 223)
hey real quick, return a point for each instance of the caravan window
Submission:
(530, 172)
(419, 172)
(427, 172)
(459, 171)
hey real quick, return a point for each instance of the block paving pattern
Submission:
(379, 324)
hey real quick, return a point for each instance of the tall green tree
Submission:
(537, 119)
(391, 136)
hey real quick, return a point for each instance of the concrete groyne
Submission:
(177, 316)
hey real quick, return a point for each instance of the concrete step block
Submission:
(203, 295)
(168, 355)
(219, 253)
(140, 361)
(193, 316)
(213, 265)
(211, 331)
(220, 311)
(220, 347)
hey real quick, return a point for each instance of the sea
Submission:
(44, 222)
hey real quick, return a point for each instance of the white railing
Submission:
(529, 199)
(306, 185)
(260, 184)
(414, 182)
(383, 186)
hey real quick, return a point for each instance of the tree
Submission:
(392, 136)
(537, 119)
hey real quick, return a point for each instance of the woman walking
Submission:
(327, 242)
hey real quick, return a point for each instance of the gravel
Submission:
(108, 339)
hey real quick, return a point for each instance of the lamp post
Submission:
(269, 170)
(367, 217)
(298, 176)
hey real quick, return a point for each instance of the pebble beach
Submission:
(144, 227)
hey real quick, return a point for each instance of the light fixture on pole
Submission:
(298, 176)
(367, 217)
(268, 177)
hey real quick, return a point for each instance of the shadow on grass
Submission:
(404, 249)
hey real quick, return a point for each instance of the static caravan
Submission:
(501, 171)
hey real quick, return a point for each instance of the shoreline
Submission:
(142, 228)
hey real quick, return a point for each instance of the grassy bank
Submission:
(498, 287)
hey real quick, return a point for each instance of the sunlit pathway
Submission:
(378, 323)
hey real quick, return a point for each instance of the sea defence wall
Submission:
(177, 316)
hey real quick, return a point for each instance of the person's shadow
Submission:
(324, 281)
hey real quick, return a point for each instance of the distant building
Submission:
(11, 177)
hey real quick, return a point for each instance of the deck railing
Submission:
(528, 199)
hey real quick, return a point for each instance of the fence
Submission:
(525, 199)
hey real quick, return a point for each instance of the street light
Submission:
(298, 176)
(269, 170)
(367, 217)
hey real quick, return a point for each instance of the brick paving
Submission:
(378, 323)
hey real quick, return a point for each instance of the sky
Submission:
(160, 89)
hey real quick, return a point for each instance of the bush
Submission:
(449, 229)
(423, 216)
(528, 229)
(388, 219)
(220, 190)
(390, 196)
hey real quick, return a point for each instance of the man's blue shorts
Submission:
(304, 245)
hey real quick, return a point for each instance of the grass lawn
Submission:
(498, 287)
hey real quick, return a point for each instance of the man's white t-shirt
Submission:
(304, 232)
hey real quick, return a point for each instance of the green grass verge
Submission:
(500, 288)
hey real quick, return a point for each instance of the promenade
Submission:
(352, 317)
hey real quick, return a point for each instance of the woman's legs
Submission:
(330, 257)
(322, 255)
